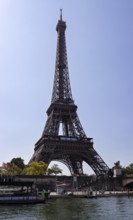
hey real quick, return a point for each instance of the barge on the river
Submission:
(20, 192)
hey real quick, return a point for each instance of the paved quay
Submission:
(94, 194)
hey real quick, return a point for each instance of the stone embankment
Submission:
(94, 194)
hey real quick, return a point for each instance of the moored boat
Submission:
(33, 199)
(20, 193)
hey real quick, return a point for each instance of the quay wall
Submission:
(78, 182)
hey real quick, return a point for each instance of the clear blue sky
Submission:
(100, 57)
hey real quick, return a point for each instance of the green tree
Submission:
(128, 170)
(49, 171)
(36, 168)
(14, 167)
(19, 162)
(54, 170)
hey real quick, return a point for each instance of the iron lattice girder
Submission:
(76, 150)
(65, 114)
(61, 86)
(73, 147)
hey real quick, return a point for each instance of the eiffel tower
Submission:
(72, 148)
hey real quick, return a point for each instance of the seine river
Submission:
(111, 208)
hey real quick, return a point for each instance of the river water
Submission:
(111, 208)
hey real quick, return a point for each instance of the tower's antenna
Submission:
(61, 14)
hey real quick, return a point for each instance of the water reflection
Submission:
(112, 208)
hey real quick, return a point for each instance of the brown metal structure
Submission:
(72, 147)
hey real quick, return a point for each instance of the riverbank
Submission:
(94, 194)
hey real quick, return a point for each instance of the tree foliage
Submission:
(128, 170)
(36, 168)
(19, 162)
(14, 167)
(54, 170)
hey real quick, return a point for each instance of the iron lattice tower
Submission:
(72, 147)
